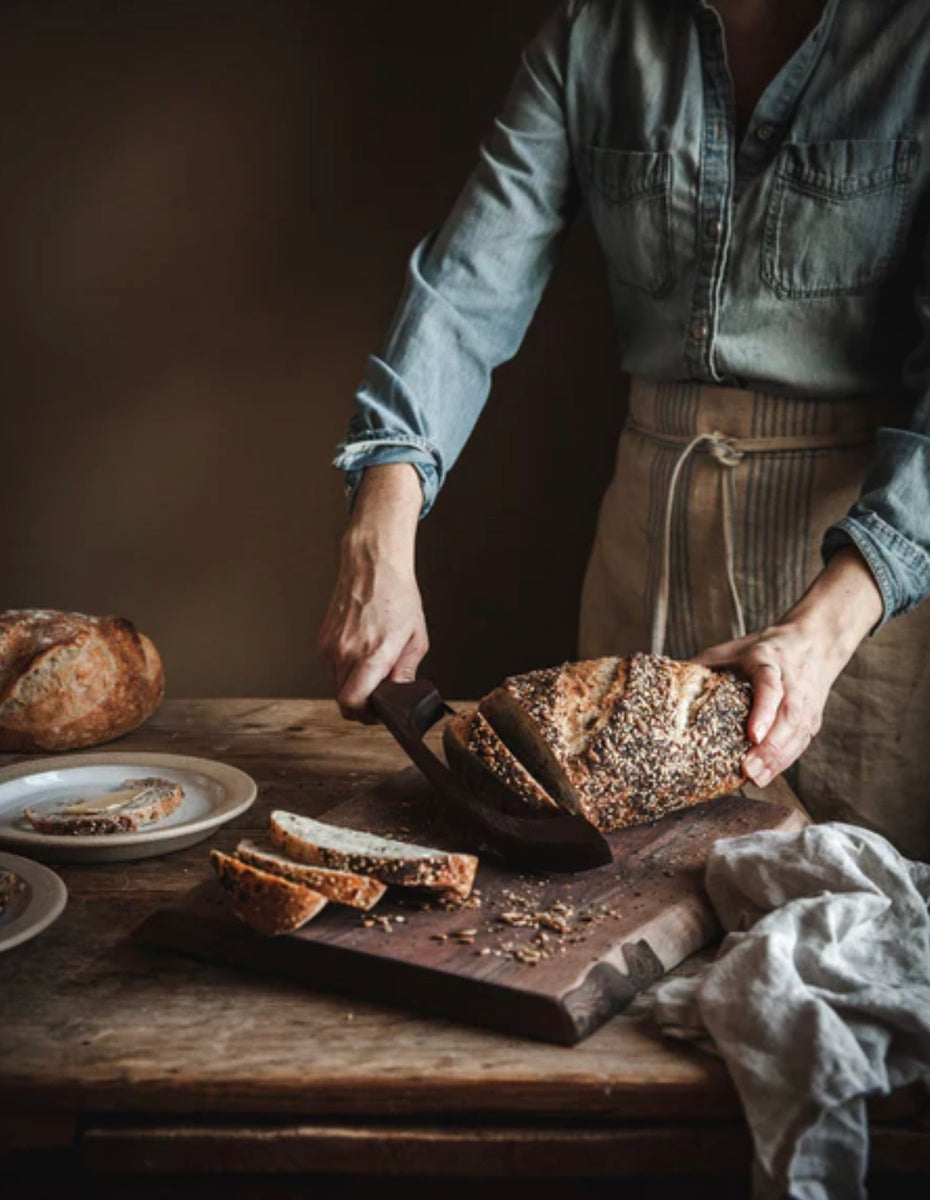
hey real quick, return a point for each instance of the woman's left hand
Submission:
(793, 665)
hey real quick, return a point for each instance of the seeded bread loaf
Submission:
(343, 887)
(268, 903)
(145, 801)
(479, 758)
(622, 741)
(391, 862)
(69, 680)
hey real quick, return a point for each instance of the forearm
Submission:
(374, 628)
(385, 515)
(377, 552)
(839, 609)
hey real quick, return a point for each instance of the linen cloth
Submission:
(819, 996)
(792, 258)
(803, 465)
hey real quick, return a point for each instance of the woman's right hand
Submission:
(374, 628)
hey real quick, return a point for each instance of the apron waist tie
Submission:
(729, 453)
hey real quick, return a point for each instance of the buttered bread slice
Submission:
(134, 803)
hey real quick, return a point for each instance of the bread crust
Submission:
(627, 741)
(268, 903)
(343, 887)
(398, 863)
(68, 681)
(676, 738)
(482, 761)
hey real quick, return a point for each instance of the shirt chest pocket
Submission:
(836, 219)
(628, 196)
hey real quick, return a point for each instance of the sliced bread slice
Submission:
(344, 887)
(546, 718)
(481, 761)
(398, 863)
(267, 903)
(135, 802)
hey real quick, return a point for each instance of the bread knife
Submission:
(545, 843)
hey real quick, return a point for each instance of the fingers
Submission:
(405, 669)
(360, 681)
(373, 630)
(768, 692)
(752, 659)
(797, 722)
(788, 698)
(357, 676)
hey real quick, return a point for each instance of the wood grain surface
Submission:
(551, 956)
(95, 1023)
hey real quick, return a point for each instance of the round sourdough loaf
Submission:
(68, 680)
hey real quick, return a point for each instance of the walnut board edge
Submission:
(652, 891)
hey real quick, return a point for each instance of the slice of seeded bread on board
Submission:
(147, 800)
(343, 887)
(628, 741)
(478, 757)
(398, 863)
(268, 903)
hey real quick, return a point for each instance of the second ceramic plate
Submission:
(213, 794)
(38, 899)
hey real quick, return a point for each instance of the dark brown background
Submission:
(205, 212)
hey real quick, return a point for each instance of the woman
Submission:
(753, 170)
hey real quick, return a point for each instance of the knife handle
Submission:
(558, 843)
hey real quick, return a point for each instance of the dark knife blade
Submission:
(545, 843)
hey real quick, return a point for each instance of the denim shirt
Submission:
(795, 261)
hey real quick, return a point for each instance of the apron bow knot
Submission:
(724, 449)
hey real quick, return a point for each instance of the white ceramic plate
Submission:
(39, 898)
(213, 794)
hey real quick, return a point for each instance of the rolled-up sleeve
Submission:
(890, 522)
(473, 286)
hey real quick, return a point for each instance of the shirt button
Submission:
(699, 333)
(764, 132)
(713, 228)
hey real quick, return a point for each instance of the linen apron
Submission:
(714, 521)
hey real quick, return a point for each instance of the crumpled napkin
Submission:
(818, 997)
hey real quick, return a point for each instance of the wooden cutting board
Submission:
(548, 956)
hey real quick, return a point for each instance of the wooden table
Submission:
(131, 1059)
